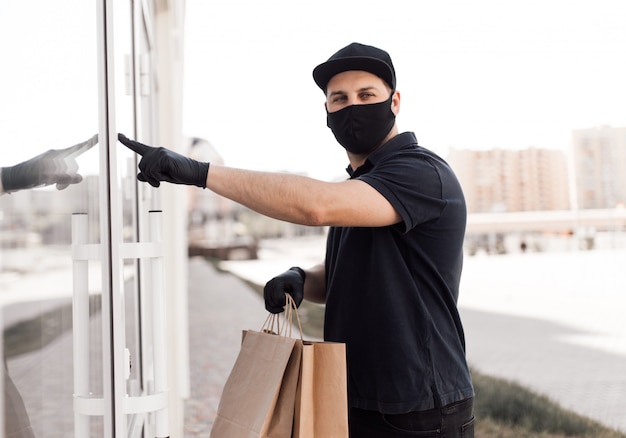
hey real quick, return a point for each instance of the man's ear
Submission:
(395, 102)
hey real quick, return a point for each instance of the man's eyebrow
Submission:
(335, 93)
(360, 90)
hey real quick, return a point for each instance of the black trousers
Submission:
(455, 420)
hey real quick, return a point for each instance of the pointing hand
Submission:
(160, 164)
(56, 166)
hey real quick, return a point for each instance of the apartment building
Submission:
(599, 162)
(501, 180)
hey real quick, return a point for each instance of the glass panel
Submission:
(133, 106)
(49, 90)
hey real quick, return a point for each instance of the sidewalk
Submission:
(538, 354)
(532, 352)
(220, 307)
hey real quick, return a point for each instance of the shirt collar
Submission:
(395, 144)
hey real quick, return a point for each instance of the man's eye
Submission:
(339, 99)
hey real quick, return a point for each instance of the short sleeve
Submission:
(412, 185)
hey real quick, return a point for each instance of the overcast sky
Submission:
(480, 74)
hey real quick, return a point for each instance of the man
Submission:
(391, 275)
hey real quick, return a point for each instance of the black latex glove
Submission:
(289, 282)
(56, 166)
(161, 164)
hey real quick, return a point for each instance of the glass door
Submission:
(136, 306)
(51, 164)
(81, 290)
(138, 316)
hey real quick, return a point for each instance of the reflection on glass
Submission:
(52, 167)
(49, 103)
(36, 285)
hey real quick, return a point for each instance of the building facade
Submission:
(502, 180)
(599, 162)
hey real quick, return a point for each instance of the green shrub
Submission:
(507, 409)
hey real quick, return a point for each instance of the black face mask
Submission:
(361, 128)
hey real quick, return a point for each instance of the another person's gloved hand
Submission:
(161, 164)
(56, 166)
(289, 282)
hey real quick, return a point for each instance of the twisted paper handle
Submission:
(272, 322)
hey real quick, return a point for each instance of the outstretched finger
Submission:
(78, 149)
(135, 146)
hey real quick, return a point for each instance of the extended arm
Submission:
(303, 200)
(288, 197)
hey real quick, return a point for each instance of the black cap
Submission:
(356, 57)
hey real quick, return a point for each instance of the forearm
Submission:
(315, 284)
(281, 196)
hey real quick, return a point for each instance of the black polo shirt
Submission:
(392, 291)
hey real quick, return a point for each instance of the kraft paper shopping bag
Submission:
(258, 398)
(321, 408)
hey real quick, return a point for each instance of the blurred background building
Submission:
(504, 180)
(599, 156)
(544, 199)
(534, 179)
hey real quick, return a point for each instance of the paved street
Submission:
(220, 307)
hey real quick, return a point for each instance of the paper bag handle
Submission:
(292, 308)
(272, 322)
